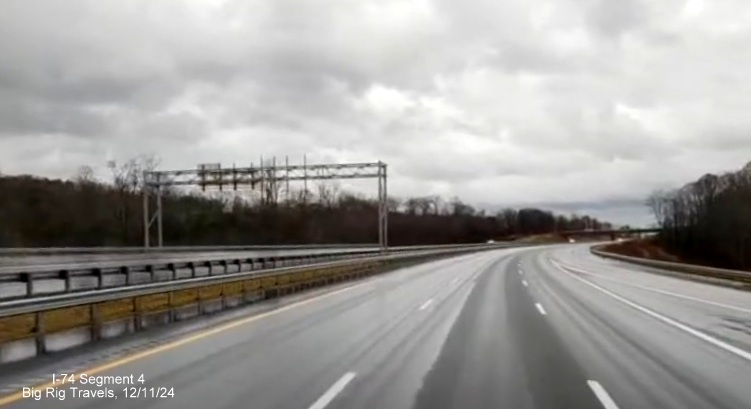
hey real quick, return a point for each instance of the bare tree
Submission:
(393, 204)
(128, 179)
(656, 203)
(425, 204)
(84, 176)
(412, 204)
(328, 194)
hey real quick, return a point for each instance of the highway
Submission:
(545, 327)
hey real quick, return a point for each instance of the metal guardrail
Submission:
(22, 251)
(25, 251)
(47, 301)
(713, 272)
(198, 256)
(82, 277)
(32, 325)
(124, 273)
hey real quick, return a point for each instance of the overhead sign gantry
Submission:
(264, 178)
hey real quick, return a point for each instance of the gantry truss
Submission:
(267, 179)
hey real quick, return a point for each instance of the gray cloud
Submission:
(583, 104)
(616, 18)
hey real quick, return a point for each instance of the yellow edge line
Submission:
(14, 397)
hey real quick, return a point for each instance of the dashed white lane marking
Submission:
(670, 293)
(524, 282)
(426, 305)
(334, 390)
(521, 272)
(454, 281)
(685, 328)
(539, 308)
(602, 395)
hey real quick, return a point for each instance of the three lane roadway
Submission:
(547, 327)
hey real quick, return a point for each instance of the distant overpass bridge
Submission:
(613, 233)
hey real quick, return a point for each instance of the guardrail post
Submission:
(28, 279)
(138, 320)
(172, 311)
(192, 268)
(96, 323)
(152, 274)
(128, 276)
(173, 271)
(41, 350)
(65, 275)
(99, 278)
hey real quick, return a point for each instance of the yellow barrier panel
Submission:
(66, 318)
(283, 280)
(295, 277)
(235, 288)
(210, 292)
(268, 283)
(153, 302)
(17, 327)
(308, 275)
(185, 297)
(113, 310)
(252, 285)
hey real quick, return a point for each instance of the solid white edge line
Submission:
(539, 308)
(685, 328)
(333, 391)
(602, 395)
(686, 297)
(524, 282)
(426, 305)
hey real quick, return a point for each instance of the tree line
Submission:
(708, 221)
(83, 211)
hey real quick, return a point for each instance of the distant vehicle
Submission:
(571, 241)
(491, 241)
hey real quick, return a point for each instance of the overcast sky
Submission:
(576, 105)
